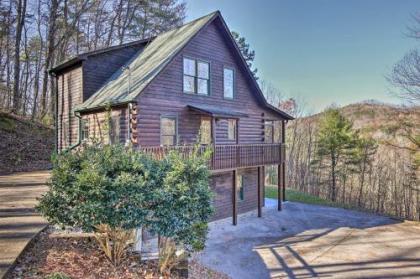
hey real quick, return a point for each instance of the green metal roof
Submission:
(131, 79)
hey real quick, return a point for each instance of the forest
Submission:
(38, 34)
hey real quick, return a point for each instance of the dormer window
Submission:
(196, 76)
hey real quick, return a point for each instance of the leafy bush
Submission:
(101, 189)
(111, 190)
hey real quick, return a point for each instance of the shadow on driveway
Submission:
(308, 241)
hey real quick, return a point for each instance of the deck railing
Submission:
(229, 156)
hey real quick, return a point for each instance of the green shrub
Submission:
(111, 190)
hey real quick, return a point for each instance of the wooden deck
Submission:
(230, 156)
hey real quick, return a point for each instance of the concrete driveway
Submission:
(307, 241)
(19, 222)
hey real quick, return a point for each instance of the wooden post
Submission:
(279, 192)
(283, 160)
(263, 184)
(213, 130)
(234, 213)
(259, 192)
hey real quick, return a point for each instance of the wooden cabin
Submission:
(185, 85)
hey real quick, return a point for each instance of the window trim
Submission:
(234, 120)
(233, 82)
(196, 78)
(84, 124)
(206, 118)
(172, 116)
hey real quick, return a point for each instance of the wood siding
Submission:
(164, 96)
(70, 90)
(221, 184)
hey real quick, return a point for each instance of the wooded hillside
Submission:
(24, 145)
(384, 179)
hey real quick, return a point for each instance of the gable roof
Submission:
(130, 80)
(126, 83)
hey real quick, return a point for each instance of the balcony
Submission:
(226, 157)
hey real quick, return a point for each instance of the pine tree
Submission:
(335, 139)
(247, 52)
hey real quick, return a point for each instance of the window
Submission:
(240, 187)
(85, 129)
(168, 131)
(205, 131)
(228, 83)
(114, 129)
(232, 129)
(268, 131)
(277, 132)
(196, 76)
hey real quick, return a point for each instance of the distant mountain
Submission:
(382, 122)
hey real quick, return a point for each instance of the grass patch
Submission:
(296, 196)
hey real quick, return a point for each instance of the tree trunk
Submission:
(20, 21)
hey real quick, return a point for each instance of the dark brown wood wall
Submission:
(164, 96)
(97, 69)
(69, 86)
(221, 184)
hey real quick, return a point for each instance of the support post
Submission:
(234, 211)
(213, 130)
(283, 160)
(259, 193)
(279, 192)
(263, 184)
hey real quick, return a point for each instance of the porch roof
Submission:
(217, 111)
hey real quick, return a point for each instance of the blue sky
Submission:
(321, 51)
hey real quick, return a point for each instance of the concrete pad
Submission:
(19, 222)
(308, 241)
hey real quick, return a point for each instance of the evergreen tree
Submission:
(246, 51)
(335, 140)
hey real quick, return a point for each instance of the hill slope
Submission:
(389, 185)
(24, 145)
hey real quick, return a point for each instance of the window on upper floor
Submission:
(196, 76)
(228, 83)
(205, 131)
(168, 130)
(232, 126)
